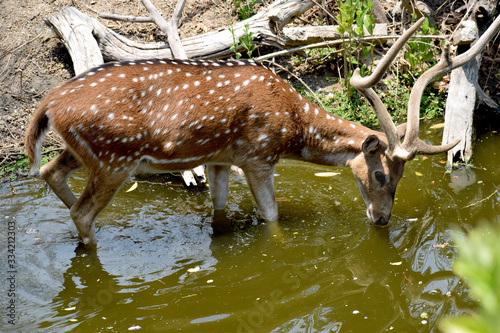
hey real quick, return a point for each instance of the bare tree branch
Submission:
(127, 18)
(169, 28)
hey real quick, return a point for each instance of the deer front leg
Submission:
(218, 178)
(261, 183)
(56, 174)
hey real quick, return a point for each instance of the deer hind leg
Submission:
(98, 193)
(218, 177)
(261, 182)
(56, 174)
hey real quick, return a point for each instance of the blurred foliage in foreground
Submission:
(479, 263)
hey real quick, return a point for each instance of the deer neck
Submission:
(330, 140)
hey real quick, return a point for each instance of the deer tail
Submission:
(35, 134)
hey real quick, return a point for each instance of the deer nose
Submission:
(382, 221)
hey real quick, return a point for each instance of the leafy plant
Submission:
(395, 97)
(245, 8)
(245, 41)
(340, 104)
(479, 263)
(355, 17)
(234, 48)
(419, 52)
(21, 166)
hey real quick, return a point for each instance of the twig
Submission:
(79, 4)
(440, 7)
(482, 200)
(406, 286)
(299, 79)
(6, 65)
(340, 41)
(18, 47)
(126, 18)
(12, 135)
(5, 159)
(22, 90)
(326, 11)
(52, 150)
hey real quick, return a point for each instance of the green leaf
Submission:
(369, 23)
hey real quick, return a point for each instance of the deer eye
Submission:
(379, 175)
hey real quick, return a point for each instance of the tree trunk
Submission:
(75, 32)
(462, 90)
(460, 110)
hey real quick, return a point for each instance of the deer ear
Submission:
(371, 144)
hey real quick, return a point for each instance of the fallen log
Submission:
(264, 26)
(300, 36)
(75, 32)
(267, 28)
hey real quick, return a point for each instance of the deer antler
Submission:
(444, 65)
(412, 144)
(364, 84)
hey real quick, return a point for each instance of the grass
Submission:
(21, 167)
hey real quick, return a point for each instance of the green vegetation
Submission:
(21, 166)
(245, 42)
(479, 263)
(355, 17)
(419, 53)
(395, 98)
(11, 169)
(245, 8)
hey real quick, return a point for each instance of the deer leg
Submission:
(56, 174)
(98, 193)
(218, 178)
(261, 183)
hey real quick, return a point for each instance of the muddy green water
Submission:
(325, 269)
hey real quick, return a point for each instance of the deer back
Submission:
(175, 114)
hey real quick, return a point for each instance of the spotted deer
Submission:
(162, 115)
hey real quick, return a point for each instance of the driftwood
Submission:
(75, 32)
(265, 27)
(463, 88)
(300, 36)
(115, 47)
(460, 110)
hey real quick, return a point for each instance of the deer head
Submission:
(380, 167)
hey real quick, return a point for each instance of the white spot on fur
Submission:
(306, 108)
(262, 137)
